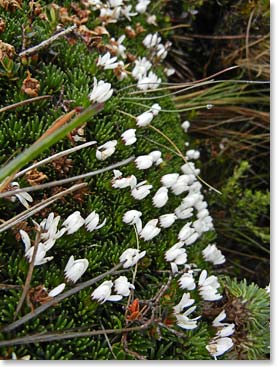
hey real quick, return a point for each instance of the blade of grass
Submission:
(38, 147)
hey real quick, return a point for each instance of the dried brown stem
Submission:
(48, 337)
(4, 286)
(68, 180)
(22, 103)
(47, 42)
(29, 275)
(38, 207)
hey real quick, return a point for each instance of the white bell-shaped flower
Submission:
(155, 155)
(74, 269)
(187, 281)
(189, 169)
(193, 154)
(74, 222)
(141, 191)
(122, 286)
(220, 317)
(101, 91)
(106, 150)
(103, 293)
(155, 109)
(227, 330)
(185, 322)
(185, 125)
(119, 182)
(144, 119)
(92, 221)
(183, 213)
(203, 213)
(141, 6)
(107, 62)
(176, 255)
(144, 162)
(185, 232)
(150, 230)
(40, 258)
(189, 241)
(208, 287)
(186, 301)
(170, 179)
(219, 346)
(181, 185)
(132, 217)
(129, 136)
(213, 255)
(130, 257)
(151, 40)
(150, 81)
(24, 197)
(161, 197)
(142, 65)
(166, 220)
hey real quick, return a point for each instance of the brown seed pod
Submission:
(2, 25)
(35, 177)
(11, 4)
(30, 86)
(130, 32)
(62, 165)
(6, 50)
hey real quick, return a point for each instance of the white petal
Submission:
(57, 290)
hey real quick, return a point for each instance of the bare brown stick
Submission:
(206, 36)
(36, 208)
(67, 180)
(22, 103)
(47, 42)
(163, 289)
(108, 341)
(55, 156)
(247, 42)
(29, 275)
(129, 351)
(48, 337)
(175, 332)
(4, 286)
(60, 298)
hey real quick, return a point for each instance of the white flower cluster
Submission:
(106, 150)
(212, 254)
(146, 117)
(147, 161)
(49, 233)
(121, 286)
(112, 10)
(74, 269)
(24, 197)
(149, 231)
(182, 318)
(101, 91)
(208, 287)
(107, 62)
(222, 342)
(153, 42)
